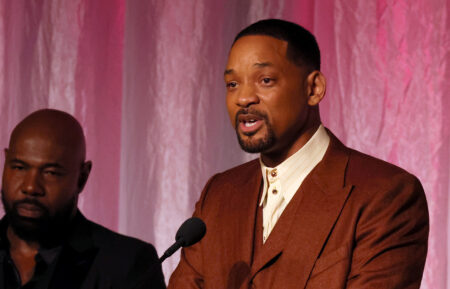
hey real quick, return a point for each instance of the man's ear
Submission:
(317, 85)
(84, 175)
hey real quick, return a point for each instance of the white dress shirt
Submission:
(282, 182)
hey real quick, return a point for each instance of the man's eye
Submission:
(52, 173)
(17, 167)
(267, 80)
(231, 84)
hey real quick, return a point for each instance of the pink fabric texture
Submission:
(145, 79)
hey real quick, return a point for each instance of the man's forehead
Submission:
(258, 50)
(259, 43)
(38, 139)
(41, 150)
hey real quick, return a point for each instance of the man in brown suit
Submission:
(310, 213)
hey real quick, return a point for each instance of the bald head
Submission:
(44, 172)
(58, 127)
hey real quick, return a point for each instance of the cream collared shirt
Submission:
(282, 182)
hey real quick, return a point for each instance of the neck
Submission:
(23, 255)
(19, 245)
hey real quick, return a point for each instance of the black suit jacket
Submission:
(93, 257)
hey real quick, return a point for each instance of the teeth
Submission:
(249, 124)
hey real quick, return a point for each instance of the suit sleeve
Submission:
(391, 240)
(189, 273)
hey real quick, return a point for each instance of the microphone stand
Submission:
(172, 249)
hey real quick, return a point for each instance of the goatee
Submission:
(45, 229)
(259, 145)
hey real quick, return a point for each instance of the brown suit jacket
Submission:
(355, 222)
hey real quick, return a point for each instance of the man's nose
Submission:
(247, 96)
(32, 184)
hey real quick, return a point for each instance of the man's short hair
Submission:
(302, 45)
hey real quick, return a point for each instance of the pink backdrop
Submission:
(145, 80)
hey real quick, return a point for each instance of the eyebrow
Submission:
(55, 165)
(228, 71)
(257, 65)
(263, 64)
(47, 165)
(15, 160)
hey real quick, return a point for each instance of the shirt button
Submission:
(274, 191)
(274, 173)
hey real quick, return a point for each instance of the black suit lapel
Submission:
(2, 268)
(76, 258)
(72, 268)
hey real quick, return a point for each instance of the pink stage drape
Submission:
(144, 78)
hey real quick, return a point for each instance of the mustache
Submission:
(30, 202)
(253, 111)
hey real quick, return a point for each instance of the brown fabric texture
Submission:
(355, 222)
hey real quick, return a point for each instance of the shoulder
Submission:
(107, 239)
(377, 183)
(122, 260)
(236, 175)
(366, 171)
(363, 171)
(224, 186)
(121, 252)
(369, 177)
(239, 173)
(380, 187)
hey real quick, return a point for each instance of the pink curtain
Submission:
(145, 80)
(68, 55)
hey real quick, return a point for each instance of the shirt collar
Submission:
(308, 155)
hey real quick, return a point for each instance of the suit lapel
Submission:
(76, 258)
(248, 220)
(2, 269)
(72, 268)
(240, 234)
(274, 245)
(304, 226)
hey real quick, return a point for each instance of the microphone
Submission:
(189, 233)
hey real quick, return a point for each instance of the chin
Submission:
(30, 229)
(251, 144)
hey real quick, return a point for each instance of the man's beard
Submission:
(45, 229)
(255, 146)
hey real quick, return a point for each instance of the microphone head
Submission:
(190, 232)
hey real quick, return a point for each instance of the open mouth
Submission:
(249, 123)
